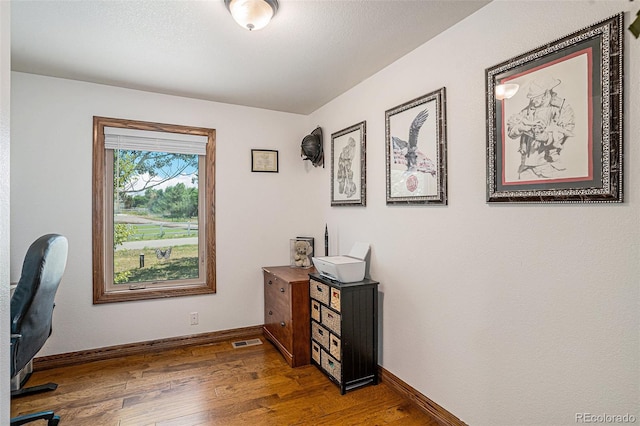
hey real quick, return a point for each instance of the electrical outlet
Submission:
(194, 318)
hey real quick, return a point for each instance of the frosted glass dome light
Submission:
(252, 14)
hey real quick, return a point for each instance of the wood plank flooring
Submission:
(212, 384)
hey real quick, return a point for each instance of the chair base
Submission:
(21, 377)
(17, 390)
(47, 387)
(18, 381)
(52, 419)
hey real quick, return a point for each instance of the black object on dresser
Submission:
(344, 330)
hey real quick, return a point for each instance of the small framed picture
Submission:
(349, 166)
(416, 145)
(554, 120)
(264, 160)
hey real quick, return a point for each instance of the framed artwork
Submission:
(416, 148)
(554, 120)
(349, 166)
(264, 160)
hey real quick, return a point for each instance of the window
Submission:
(153, 210)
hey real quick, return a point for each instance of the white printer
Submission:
(346, 269)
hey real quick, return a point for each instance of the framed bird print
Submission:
(416, 148)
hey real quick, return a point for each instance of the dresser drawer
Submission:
(275, 287)
(334, 346)
(319, 291)
(331, 366)
(315, 352)
(335, 298)
(270, 279)
(277, 301)
(320, 334)
(330, 319)
(315, 310)
(279, 306)
(277, 298)
(280, 326)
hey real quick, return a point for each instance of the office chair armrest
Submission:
(14, 340)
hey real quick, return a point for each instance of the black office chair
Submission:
(31, 315)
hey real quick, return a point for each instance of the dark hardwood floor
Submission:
(212, 384)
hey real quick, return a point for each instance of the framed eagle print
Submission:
(416, 148)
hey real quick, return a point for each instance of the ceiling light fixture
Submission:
(252, 14)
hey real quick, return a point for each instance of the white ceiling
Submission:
(313, 50)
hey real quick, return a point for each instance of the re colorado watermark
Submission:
(605, 418)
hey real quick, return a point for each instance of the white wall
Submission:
(256, 213)
(5, 90)
(502, 314)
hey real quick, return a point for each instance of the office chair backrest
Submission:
(33, 300)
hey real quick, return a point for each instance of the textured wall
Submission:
(503, 314)
(256, 213)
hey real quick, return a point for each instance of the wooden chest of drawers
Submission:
(286, 312)
(344, 331)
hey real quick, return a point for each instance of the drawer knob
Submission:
(281, 290)
(270, 282)
(270, 312)
(282, 324)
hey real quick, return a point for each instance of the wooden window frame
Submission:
(100, 182)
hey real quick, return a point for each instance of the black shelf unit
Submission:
(344, 331)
